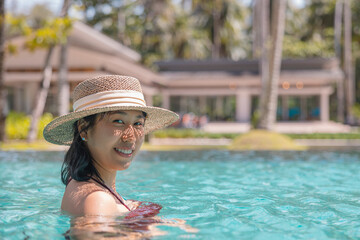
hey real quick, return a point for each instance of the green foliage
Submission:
(195, 133)
(255, 118)
(295, 48)
(54, 32)
(11, 48)
(38, 15)
(18, 25)
(45, 119)
(325, 136)
(190, 133)
(184, 29)
(17, 125)
(166, 29)
(356, 110)
(171, 29)
(231, 22)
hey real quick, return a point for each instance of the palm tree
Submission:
(41, 97)
(261, 49)
(44, 89)
(337, 46)
(224, 23)
(348, 69)
(63, 85)
(269, 92)
(158, 19)
(2, 85)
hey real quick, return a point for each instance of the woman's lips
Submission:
(124, 152)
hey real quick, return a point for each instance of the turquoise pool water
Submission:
(228, 195)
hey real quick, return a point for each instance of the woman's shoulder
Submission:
(80, 189)
(100, 203)
(85, 197)
(88, 198)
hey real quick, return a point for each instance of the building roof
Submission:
(90, 53)
(245, 73)
(244, 66)
(87, 37)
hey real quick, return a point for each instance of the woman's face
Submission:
(116, 138)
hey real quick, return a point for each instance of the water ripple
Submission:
(230, 195)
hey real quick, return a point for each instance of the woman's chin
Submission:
(124, 166)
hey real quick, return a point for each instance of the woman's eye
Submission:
(118, 121)
(138, 124)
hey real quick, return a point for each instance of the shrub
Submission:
(354, 135)
(190, 133)
(264, 140)
(17, 125)
(44, 120)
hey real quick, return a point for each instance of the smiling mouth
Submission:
(126, 152)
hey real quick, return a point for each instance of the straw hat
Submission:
(103, 94)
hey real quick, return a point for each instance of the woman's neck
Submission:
(109, 177)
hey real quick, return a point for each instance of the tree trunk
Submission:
(338, 27)
(44, 89)
(270, 92)
(348, 69)
(41, 97)
(337, 46)
(3, 101)
(63, 84)
(254, 29)
(259, 25)
(263, 34)
(216, 30)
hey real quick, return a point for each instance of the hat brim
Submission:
(60, 130)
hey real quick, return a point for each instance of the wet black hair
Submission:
(78, 163)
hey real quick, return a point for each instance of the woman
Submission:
(105, 132)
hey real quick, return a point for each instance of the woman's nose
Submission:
(128, 134)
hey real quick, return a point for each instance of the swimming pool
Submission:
(228, 195)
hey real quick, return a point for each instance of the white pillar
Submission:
(165, 100)
(202, 104)
(183, 101)
(31, 90)
(219, 106)
(243, 106)
(324, 107)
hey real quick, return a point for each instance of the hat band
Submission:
(110, 99)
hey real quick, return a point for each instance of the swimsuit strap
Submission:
(112, 192)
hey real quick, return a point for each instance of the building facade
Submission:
(222, 90)
(90, 53)
(226, 90)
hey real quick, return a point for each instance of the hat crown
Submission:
(106, 83)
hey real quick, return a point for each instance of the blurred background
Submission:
(223, 65)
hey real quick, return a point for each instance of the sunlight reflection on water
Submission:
(265, 195)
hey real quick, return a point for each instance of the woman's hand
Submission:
(132, 204)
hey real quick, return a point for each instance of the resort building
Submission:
(223, 90)
(90, 53)
(228, 90)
